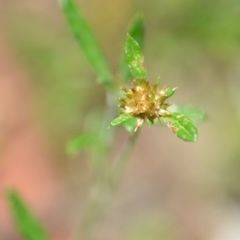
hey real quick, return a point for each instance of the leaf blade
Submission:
(130, 124)
(86, 40)
(170, 91)
(120, 119)
(136, 30)
(135, 59)
(181, 126)
(78, 143)
(195, 114)
(27, 224)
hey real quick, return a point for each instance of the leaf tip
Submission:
(128, 36)
(9, 192)
(170, 91)
(63, 3)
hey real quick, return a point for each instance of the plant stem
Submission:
(121, 163)
(103, 191)
(100, 157)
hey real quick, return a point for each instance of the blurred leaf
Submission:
(86, 41)
(170, 91)
(195, 114)
(130, 124)
(182, 126)
(76, 144)
(136, 30)
(27, 225)
(135, 59)
(120, 119)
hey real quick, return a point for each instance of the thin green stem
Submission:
(99, 156)
(123, 159)
(103, 191)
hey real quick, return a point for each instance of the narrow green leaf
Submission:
(130, 124)
(86, 40)
(195, 114)
(136, 30)
(26, 223)
(170, 91)
(182, 126)
(135, 59)
(78, 143)
(120, 119)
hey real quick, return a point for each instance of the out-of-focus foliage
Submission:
(86, 41)
(26, 223)
(80, 142)
(209, 25)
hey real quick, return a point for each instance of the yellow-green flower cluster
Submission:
(144, 101)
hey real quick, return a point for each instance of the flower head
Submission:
(145, 101)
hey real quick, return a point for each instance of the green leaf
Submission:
(26, 223)
(170, 91)
(182, 126)
(78, 143)
(120, 119)
(130, 124)
(135, 59)
(136, 30)
(86, 40)
(195, 114)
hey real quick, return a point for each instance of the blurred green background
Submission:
(172, 190)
